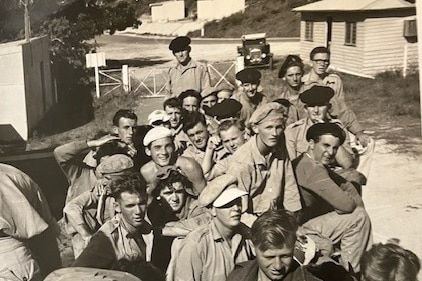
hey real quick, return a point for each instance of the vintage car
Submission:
(255, 51)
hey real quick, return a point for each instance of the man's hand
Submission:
(363, 138)
(103, 140)
(213, 142)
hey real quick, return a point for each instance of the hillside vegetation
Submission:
(271, 16)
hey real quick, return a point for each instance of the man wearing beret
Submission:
(263, 170)
(248, 94)
(332, 208)
(320, 58)
(211, 251)
(159, 146)
(317, 104)
(85, 213)
(187, 73)
(128, 235)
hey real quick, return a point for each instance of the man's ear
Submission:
(117, 207)
(147, 151)
(189, 49)
(255, 128)
(311, 144)
(115, 130)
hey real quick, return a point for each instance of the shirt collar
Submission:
(256, 155)
(191, 64)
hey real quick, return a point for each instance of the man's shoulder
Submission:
(148, 170)
(244, 271)
(296, 125)
(110, 227)
(243, 154)
(333, 78)
(199, 235)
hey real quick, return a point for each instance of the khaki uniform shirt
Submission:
(264, 178)
(331, 80)
(112, 243)
(295, 135)
(249, 107)
(206, 256)
(193, 76)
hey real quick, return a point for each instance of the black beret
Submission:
(283, 102)
(291, 60)
(226, 109)
(317, 95)
(248, 76)
(179, 43)
(320, 129)
(190, 93)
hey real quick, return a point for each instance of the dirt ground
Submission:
(393, 195)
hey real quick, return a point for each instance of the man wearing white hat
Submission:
(211, 251)
(159, 118)
(159, 145)
(262, 170)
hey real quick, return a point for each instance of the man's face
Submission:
(161, 151)
(175, 196)
(125, 130)
(325, 149)
(293, 76)
(274, 262)
(198, 135)
(229, 214)
(209, 101)
(320, 63)
(190, 104)
(175, 116)
(232, 139)
(250, 89)
(132, 208)
(269, 130)
(182, 56)
(317, 113)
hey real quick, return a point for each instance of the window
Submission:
(350, 38)
(309, 31)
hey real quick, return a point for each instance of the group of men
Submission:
(221, 184)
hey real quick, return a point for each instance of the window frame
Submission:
(350, 33)
(309, 31)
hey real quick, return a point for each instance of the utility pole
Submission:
(26, 4)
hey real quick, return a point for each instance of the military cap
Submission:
(155, 134)
(190, 93)
(179, 43)
(266, 110)
(115, 164)
(320, 129)
(317, 95)
(158, 116)
(226, 109)
(291, 60)
(249, 75)
(220, 191)
(209, 91)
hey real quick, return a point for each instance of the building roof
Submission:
(355, 5)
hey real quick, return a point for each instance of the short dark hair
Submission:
(124, 113)
(173, 102)
(227, 124)
(274, 229)
(290, 61)
(190, 93)
(173, 177)
(191, 119)
(319, 50)
(389, 262)
(132, 183)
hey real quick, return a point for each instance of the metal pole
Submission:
(27, 21)
(97, 82)
(419, 28)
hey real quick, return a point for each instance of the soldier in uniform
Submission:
(248, 93)
(317, 104)
(187, 73)
(128, 235)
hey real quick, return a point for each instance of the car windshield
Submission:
(255, 42)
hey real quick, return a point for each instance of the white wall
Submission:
(168, 11)
(218, 9)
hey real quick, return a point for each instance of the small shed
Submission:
(167, 11)
(218, 9)
(364, 36)
(26, 88)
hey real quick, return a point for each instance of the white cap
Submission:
(227, 196)
(158, 115)
(155, 134)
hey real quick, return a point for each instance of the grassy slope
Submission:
(259, 16)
